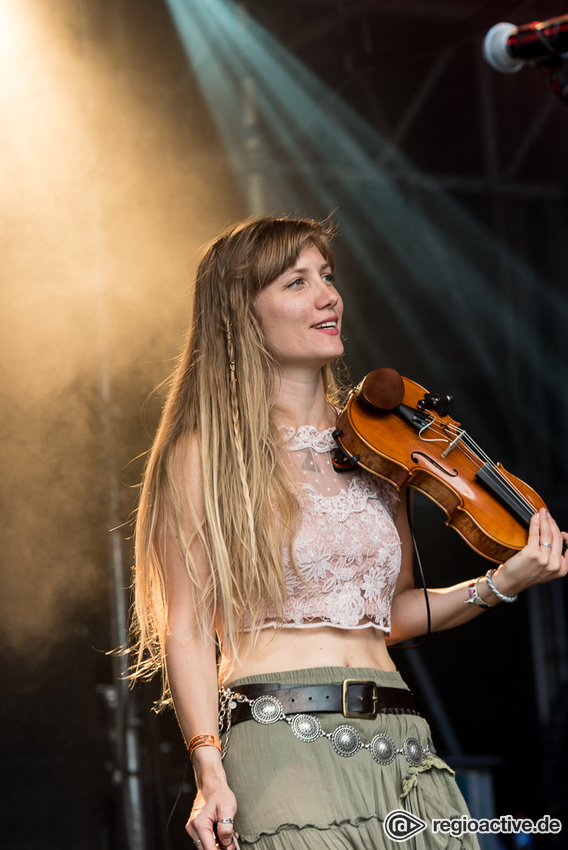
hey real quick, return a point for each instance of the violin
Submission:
(394, 428)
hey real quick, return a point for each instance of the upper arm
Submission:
(190, 643)
(407, 612)
(405, 579)
(181, 539)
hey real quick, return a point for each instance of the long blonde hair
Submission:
(221, 394)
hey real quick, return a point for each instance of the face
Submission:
(300, 313)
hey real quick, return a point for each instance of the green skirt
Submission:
(292, 794)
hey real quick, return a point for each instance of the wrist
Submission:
(203, 739)
(475, 598)
(210, 776)
(499, 585)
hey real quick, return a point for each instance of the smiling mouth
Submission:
(325, 325)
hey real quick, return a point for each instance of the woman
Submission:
(246, 536)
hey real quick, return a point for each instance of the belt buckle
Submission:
(364, 715)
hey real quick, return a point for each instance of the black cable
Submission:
(179, 793)
(404, 644)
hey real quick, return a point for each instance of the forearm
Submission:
(192, 673)
(449, 607)
(540, 561)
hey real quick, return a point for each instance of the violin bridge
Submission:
(452, 445)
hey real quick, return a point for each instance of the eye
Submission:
(329, 278)
(295, 283)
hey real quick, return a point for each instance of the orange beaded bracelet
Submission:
(203, 741)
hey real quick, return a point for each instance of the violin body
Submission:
(412, 443)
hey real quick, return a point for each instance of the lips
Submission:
(327, 324)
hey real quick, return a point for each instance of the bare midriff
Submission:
(294, 649)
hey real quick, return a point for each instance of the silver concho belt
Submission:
(345, 739)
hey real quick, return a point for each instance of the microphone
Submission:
(507, 47)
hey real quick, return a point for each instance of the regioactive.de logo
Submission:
(400, 825)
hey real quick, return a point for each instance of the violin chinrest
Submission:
(382, 389)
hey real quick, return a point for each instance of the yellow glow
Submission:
(102, 211)
(15, 24)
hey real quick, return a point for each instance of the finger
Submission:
(193, 835)
(546, 533)
(207, 837)
(556, 549)
(551, 551)
(203, 838)
(534, 531)
(559, 550)
(557, 539)
(225, 830)
(545, 529)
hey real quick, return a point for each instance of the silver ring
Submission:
(199, 841)
(225, 820)
(548, 545)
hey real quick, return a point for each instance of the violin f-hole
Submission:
(450, 473)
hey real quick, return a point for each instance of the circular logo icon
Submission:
(400, 825)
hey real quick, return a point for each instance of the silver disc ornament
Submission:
(413, 751)
(266, 709)
(383, 749)
(306, 728)
(345, 741)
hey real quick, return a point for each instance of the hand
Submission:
(204, 826)
(540, 561)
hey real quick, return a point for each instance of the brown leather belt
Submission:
(352, 698)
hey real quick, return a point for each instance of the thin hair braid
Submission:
(237, 434)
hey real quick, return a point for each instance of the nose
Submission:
(327, 295)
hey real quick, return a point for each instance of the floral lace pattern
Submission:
(347, 547)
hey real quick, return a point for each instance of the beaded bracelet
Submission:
(474, 598)
(491, 586)
(203, 741)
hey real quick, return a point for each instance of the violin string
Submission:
(512, 490)
(461, 447)
(469, 447)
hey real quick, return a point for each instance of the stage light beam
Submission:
(308, 135)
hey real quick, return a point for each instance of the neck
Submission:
(299, 399)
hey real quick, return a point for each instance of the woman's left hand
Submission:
(541, 560)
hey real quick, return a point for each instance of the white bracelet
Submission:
(491, 586)
(473, 597)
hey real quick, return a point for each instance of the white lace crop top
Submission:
(347, 546)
